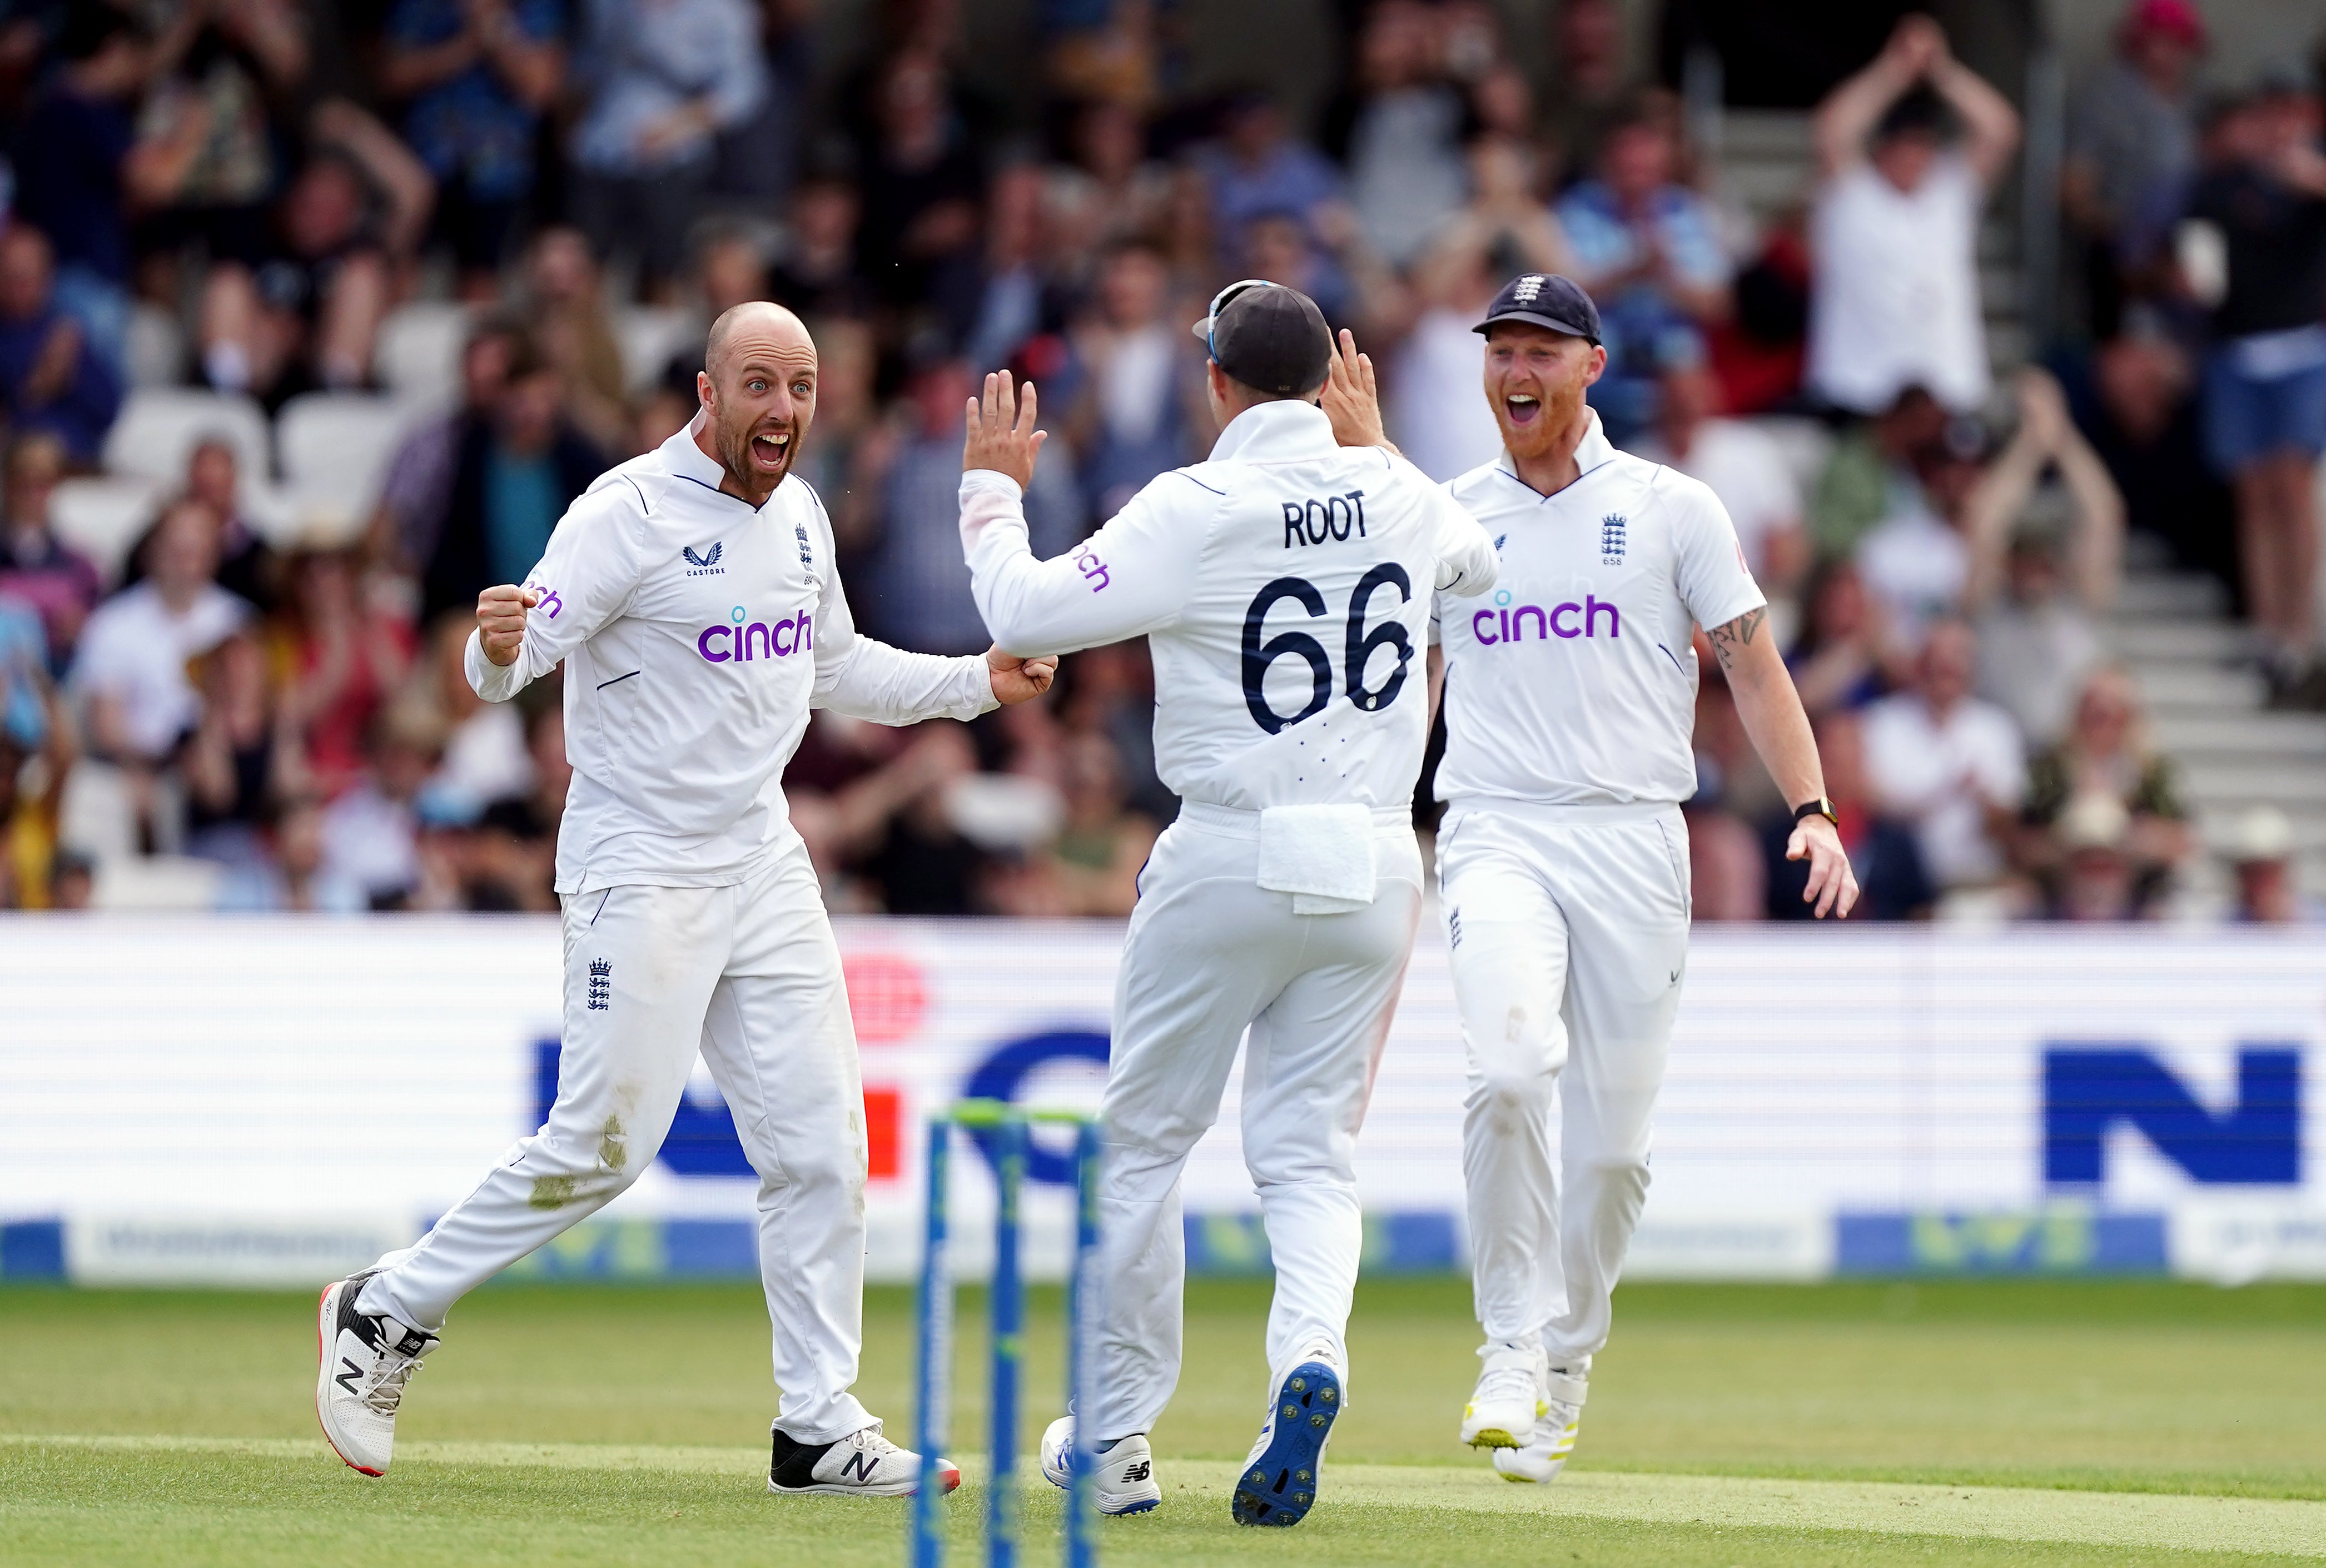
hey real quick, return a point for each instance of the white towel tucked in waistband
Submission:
(1321, 855)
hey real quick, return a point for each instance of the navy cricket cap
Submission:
(1546, 300)
(1269, 338)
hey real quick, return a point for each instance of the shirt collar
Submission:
(683, 458)
(1276, 432)
(1592, 451)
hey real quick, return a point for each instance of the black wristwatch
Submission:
(1819, 807)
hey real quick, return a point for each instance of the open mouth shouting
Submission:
(771, 448)
(1521, 408)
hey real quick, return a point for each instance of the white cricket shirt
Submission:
(697, 632)
(1575, 680)
(1284, 588)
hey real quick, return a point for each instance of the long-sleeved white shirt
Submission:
(1284, 586)
(697, 632)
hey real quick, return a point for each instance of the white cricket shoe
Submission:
(1125, 1478)
(362, 1363)
(1553, 1438)
(862, 1465)
(1508, 1400)
(1278, 1484)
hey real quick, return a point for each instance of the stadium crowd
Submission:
(267, 200)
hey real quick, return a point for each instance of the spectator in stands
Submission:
(483, 757)
(1884, 850)
(295, 876)
(566, 314)
(662, 80)
(514, 474)
(54, 379)
(2093, 877)
(816, 273)
(1432, 378)
(247, 564)
(922, 182)
(306, 314)
(1133, 418)
(1743, 465)
(1648, 250)
(1398, 130)
(852, 446)
(1917, 562)
(130, 671)
(1945, 761)
(342, 655)
(2133, 401)
(2037, 636)
(1097, 856)
(476, 76)
(919, 588)
(1256, 170)
(1111, 191)
(31, 799)
(2106, 755)
(2262, 212)
(2132, 132)
(1895, 300)
(418, 485)
(1847, 655)
(1870, 476)
(371, 830)
(243, 759)
(2268, 882)
(77, 161)
(1588, 88)
(220, 71)
(37, 568)
(1005, 301)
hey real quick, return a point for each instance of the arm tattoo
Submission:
(1727, 639)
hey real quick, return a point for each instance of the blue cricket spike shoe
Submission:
(1278, 1484)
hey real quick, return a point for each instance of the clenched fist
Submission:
(500, 620)
(1017, 680)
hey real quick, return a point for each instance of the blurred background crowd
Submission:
(2003, 340)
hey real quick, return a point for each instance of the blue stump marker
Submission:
(1005, 1128)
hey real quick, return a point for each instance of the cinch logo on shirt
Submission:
(744, 639)
(1506, 624)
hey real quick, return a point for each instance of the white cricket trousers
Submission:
(1569, 928)
(1208, 952)
(748, 975)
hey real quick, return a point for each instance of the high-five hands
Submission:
(1002, 434)
(500, 620)
(1350, 398)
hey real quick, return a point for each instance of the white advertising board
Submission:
(256, 1100)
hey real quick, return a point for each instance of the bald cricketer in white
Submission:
(690, 594)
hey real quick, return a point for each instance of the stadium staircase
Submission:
(2172, 631)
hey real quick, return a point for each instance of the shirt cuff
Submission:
(978, 481)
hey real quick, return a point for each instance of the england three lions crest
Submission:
(1611, 538)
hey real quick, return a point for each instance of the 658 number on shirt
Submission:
(1360, 646)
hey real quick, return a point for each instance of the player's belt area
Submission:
(1246, 823)
(1562, 814)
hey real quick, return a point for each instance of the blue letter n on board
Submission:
(2256, 1141)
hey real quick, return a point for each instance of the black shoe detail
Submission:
(1139, 1472)
(792, 1463)
(378, 1333)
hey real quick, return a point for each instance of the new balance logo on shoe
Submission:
(1139, 1472)
(346, 1379)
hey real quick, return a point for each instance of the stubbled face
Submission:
(1535, 382)
(760, 395)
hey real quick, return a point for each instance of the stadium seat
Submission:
(160, 427)
(418, 356)
(103, 517)
(648, 337)
(334, 448)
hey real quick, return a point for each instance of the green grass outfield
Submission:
(1956, 1422)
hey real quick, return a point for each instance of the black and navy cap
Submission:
(1546, 300)
(1271, 338)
